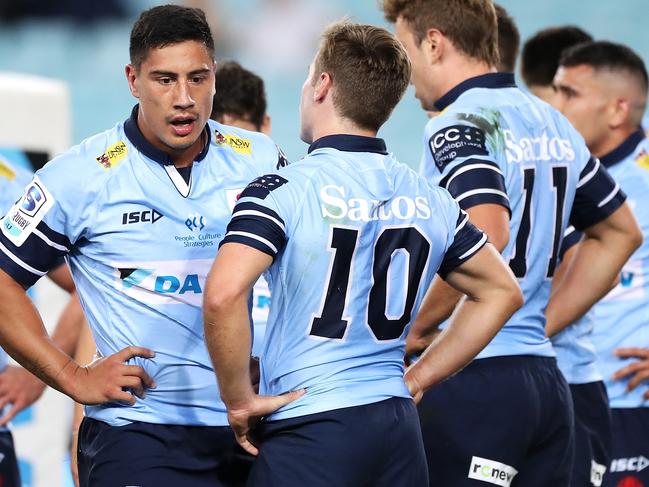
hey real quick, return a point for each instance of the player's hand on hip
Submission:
(414, 388)
(19, 388)
(109, 379)
(242, 420)
(638, 371)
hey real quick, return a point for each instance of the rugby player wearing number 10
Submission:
(522, 173)
(351, 239)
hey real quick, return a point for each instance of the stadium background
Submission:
(85, 44)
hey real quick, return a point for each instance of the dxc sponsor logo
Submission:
(541, 148)
(146, 216)
(335, 205)
(491, 471)
(195, 222)
(632, 464)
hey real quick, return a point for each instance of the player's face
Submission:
(584, 101)
(175, 88)
(420, 77)
(306, 106)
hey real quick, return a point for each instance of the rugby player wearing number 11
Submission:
(522, 173)
(351, 239)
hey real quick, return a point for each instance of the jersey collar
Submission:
(624, 150)
(350, 143)
(140, 142)
(489, 80)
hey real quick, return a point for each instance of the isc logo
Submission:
(150, 216)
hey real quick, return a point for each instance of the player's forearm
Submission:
(438, 304)
(227, 335)
(68, 329)
(24, 337)
(594, 267)
(473, 326)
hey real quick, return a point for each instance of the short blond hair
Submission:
(369, 68)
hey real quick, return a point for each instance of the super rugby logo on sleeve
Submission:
(263, 185)
(457, 141)
(27, 213)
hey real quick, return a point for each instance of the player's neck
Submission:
(612, 142)
(337, 126)
(459, 70)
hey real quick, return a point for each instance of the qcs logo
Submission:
(32, 200)
(195, 222)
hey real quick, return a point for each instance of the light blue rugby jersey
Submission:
(495, 144)
(13, 180)
(622, 317)
(356, 239)
(140, 241)
(576, 355)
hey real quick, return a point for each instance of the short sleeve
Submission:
(31, 243)
(466, 167)
(467, 241)
(597, 196)
(256, 220)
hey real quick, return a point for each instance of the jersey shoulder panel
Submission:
(255, 147)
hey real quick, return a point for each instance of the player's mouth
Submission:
(183, 125)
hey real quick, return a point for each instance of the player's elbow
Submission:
(510, 293)
(220, 300)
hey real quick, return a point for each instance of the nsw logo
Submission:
(491, 471)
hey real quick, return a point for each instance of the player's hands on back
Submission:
(105, 379)
(243, 419)
(638, 370)
(19, 388)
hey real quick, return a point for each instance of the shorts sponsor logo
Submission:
(631, 464)
(24, 216)
(630, 481)
(335, 205)
(597, 472)
(113, 155)
(457, 141)
(491, 471)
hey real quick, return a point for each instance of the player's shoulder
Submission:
(249, 145)
(90, 163)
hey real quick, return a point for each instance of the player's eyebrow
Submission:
(171, 74)
(565, 89)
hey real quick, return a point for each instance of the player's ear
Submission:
(434, 45)
(620, 111)
(322, 87)
(131, 77)
(266, 125)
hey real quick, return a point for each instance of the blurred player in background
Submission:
(602, 89)
(351, 239)
(240, 98)
(522, 173)
(574, 347)
(509, 40)
(541, 54)
(18, 387)
(139, 210)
